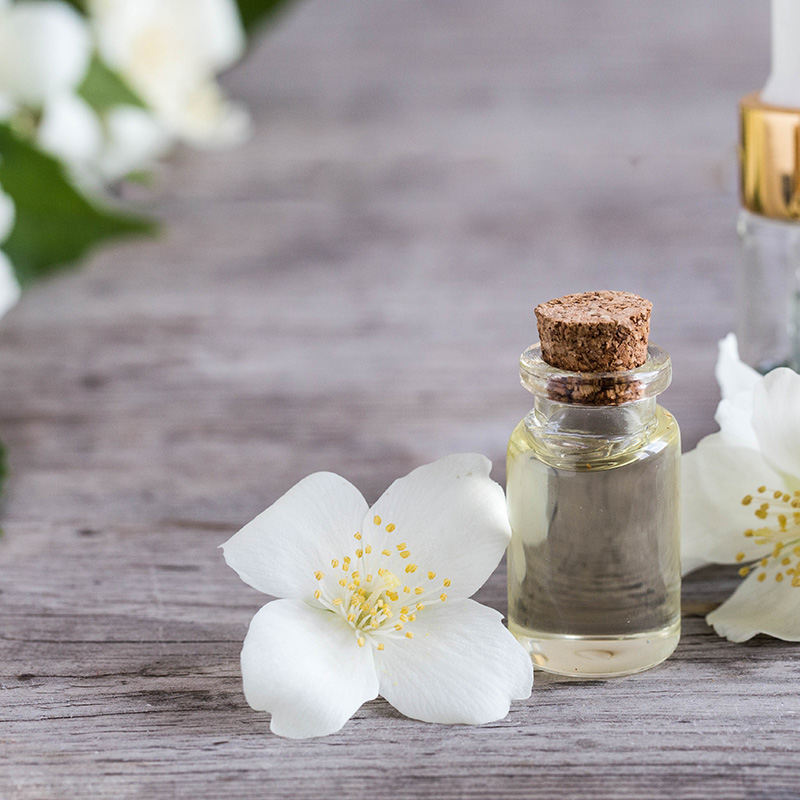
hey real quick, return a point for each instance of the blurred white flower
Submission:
(70, 130)
(170, 52)
(45, 48)
(9, 285)
(134, 141)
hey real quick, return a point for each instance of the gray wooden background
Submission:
(350, 291)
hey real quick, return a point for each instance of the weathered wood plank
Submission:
(350, 291)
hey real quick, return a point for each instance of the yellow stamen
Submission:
(376, 519)
(361, 641)
(386, 552)
(779, 577)
(411, 567)
(431, 576)
(390, 527)
(744, 571)
(368, 549)
(443, 597)
(747, 499)
(446, 582)
(762, 576)
(418, 590)
(381, 646)
(317, 594)
(740, 556)
(405, 554)
(335, 563)
(409, 635)
(337, 601)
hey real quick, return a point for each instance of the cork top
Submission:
(595, 331)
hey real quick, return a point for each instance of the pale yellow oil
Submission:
(594, 563)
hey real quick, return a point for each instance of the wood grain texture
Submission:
(351, 291)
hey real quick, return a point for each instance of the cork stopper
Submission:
(595, 331)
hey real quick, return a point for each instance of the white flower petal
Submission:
(7, 215)
(44, 50)
(760, 607)
(452, 517)
(305, 668)
(733, 376)
(7, 104)
(735, 419)
(776, 419)
(281, 549)
(462, 666)
(9, 285)
(219, 27)
(714, 479)
(205, 118)
(135, 140)
(70, 130)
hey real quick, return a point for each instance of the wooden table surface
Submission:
(350, 291)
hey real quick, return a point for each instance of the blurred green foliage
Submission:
(103, 89)
(55, 225)
(256, 12)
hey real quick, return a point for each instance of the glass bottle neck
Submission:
(587, 416)
(629, 419)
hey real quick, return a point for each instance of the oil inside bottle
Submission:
(594, 563)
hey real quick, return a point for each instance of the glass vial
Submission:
(768, 292)
(593, 498)
(768, 273)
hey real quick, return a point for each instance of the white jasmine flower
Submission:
(376, 601)
(741, 499)
(134, 141)
(9, 285)
(71, 131)
(170, 52)
(45, 48)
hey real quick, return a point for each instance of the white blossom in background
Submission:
(45, 48)
(9, 286)
(134, 140)
(741, 499)
(170, 52)
(71, 131)
(376, 601)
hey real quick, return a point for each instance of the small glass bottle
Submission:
(768, 273)
(593, 499)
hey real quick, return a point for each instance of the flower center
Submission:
(375, 601)
(780, 532)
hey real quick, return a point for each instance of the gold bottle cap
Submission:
(769, 153)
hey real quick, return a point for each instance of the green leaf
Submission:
(256, 12)
(102, 88)
(55, 224)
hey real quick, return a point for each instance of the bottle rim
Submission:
(596, 388)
